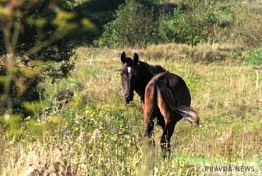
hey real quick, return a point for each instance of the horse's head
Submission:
(129, 75)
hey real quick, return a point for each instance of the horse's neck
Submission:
(140, 89)
(145, 77)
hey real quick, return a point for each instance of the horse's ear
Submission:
(123, 57)
(136, 58)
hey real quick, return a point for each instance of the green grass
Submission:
(96, 134)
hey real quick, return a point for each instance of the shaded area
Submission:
(99, 13)
(61, 49)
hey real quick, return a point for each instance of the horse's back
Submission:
(176, 84)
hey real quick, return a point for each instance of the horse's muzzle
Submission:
(128, 99)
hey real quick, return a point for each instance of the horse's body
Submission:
(164, 96)
(168, 98)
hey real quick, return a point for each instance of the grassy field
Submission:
(96, 134)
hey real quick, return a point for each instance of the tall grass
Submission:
(96, 134)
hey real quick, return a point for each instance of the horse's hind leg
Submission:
(168, 126)
(149, 112)
(148, 120)
(166, 136)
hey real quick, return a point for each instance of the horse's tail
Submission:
(187, 112)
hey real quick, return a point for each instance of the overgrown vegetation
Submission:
(184, 22)
(125, 31)
(31, 37)
(61, 107)
(95, 132)
(253, 56)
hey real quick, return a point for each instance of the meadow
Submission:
(97, 134)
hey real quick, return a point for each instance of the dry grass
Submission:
(203, 52)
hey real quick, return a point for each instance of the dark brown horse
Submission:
(164, 96)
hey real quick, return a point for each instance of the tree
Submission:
(28, 28)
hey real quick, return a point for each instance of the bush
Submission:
(147, 22)
(133, 26)
(202, 21)
(249, 26)
(175, 27)
(253, 56)
(187, 27)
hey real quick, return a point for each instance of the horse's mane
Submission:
(146, 73)
(152, 69)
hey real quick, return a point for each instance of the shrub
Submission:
(175, 27)
(253, 56)
(249, 26)
(147, 22)
(133, 26)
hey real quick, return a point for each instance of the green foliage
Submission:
(253, 56)
(184, 27)
(12, 124)
(133, 26)
(142, 23)
(209, 17)
(29, 31)
(175, 27)
(69, 4)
